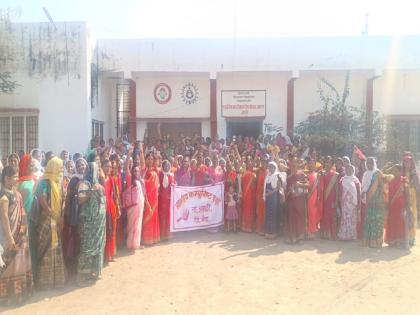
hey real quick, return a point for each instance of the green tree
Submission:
(337, 127)
(7, 84)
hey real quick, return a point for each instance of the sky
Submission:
(226, 18)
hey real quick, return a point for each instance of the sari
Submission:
(350, 194)
(165, 205)
(248, 201)
(216, 174)
(91, 228)
(413, 208)
(135, 216)
(395, 227)
(50, 271)
(375, 212)
(151, 231)
(121, 221)
(295, 209)
(328, 226)
(260, 202)
(16, 273)
(111, 219)
(26, 189)
(183, 177)
(70, 232)
(314, 215)
(200, 175)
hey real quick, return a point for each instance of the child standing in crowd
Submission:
(231, 208)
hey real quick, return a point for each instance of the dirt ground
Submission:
(204, 273)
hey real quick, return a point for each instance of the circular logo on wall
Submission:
(162, 93)
(189, 93)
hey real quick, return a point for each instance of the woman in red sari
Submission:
(112, 213)
(295, 210)
(151, 230)
(260, 202)
(200, 173)
(313, 200)
(395, 232)
(248, 182)
(118, 188)
(330, 182)
(166, 179)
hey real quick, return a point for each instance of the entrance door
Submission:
(250, 128)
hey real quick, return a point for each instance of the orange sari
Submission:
(151, 231)
(248, 201)
(314, 215)
(260, 202)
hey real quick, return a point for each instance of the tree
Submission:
(337, 127)
(7, 84)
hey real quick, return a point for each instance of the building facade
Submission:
(72, 87)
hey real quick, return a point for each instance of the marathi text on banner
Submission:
(243, 103)
(199, 207)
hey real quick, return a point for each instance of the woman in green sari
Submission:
(375, 205)
(92, 220)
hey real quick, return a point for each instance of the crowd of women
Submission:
(63, 217)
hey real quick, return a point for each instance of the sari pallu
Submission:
(328, 223)
(248, 201)
(165, 207)
(134, 209)
(70, 234)
(260, 202)
(413, 208)
(16, 273)
(294, 227)
(151, 230)
(314, 215)
(91, 228)
(394, 226)
(111, 220)
(350, 194)
(375, 213)
(50, 271)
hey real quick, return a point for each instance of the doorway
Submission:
(251, 128)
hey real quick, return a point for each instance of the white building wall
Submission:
(397, 92)
(51, 67)
(307, 97)
(275, 84)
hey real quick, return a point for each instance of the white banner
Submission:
(199, 207)
(243, 103)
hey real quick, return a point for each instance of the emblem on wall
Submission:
(162, 93)
(189, 93)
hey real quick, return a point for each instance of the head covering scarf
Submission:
(349, 184)
(368, 174)
(66, 173)
(54, 173)
(166, 174)
(25, 171)
(273, 178)
(77, 174)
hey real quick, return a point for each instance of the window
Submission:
(123, 109)
(18, 132)
(97, 129)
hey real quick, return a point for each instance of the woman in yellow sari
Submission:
(50, 271)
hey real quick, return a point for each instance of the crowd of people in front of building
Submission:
(63, 217)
